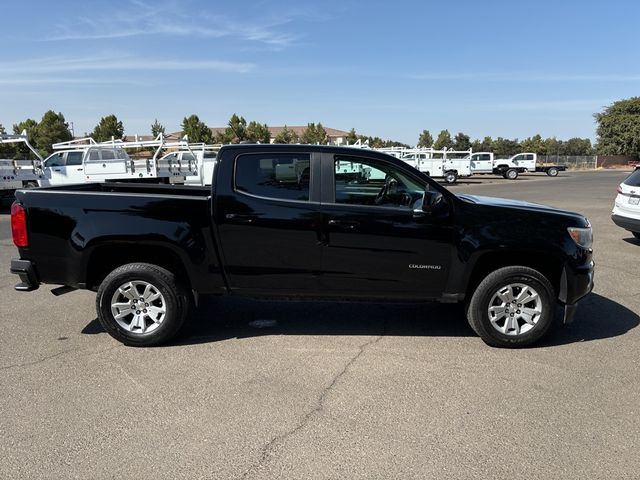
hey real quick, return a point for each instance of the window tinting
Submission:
(55, 160)
(74, 158)
(633, 180)
(94, 155)
(283, 176)
(107, 155)
(188, 157)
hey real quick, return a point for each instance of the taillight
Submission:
(19, 225)
(619, 189)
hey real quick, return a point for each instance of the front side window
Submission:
(55, 160)
(284, 176)
(362, 181)
(74, 158)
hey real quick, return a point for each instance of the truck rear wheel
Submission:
(552, 172)
(450, 177)
(512, 307)
(142, 305)
(511, 174)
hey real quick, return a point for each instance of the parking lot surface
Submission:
(257, 389)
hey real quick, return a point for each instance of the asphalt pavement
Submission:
(262, 390)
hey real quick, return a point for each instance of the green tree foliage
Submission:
(286, 136)
(157, 128)
(534, 144)
(461, 142)
(258, 132)
(52, 129)
(107, 128)
(236, 130)
(483, 145)
(6, 150)
(352, 137)
(579, 146)
(30, 125)
(196, 130)
(504, 147)
(619, 128)
(314, 134)
(443, 141)
(425, 139)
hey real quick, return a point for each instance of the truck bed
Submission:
(132, 188)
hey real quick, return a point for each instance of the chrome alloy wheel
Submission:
(515, 309)
(138, 307)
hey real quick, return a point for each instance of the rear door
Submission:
(375, 245)
(268, 219)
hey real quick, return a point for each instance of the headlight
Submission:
(582, 236)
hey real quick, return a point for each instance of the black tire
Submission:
(552, 172)
(478, 314)
(174, 296)
(511, 174)
(636, 234)
(450, 177)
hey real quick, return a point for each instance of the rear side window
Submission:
(283, 176)
(74, 158)
(108, 155)
(633, 180)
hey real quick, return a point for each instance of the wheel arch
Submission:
(105, 258)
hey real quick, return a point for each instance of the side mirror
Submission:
(432, 203)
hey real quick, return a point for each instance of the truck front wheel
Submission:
(142, 305)
(512, 307)
(511, 174)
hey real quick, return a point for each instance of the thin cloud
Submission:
(121, 64)
(548, 105)
(163, 18)
(524, 77)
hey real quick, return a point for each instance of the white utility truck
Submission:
(16, 173)
(445, 163)
(486, 163)
(85, 160)
(204, 158)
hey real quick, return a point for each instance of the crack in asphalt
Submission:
(267, 450)
(55, 355)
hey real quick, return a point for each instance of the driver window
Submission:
(363, 181)
(55, 160)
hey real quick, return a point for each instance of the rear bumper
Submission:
(27, 273)
(576, 283)
(631, 224)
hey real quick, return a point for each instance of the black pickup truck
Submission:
(300, 221)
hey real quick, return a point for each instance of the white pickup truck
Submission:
(85, 160)
(202, 157)
(486, 163)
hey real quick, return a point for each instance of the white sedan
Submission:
(626, 210)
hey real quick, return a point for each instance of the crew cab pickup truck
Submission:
(149, 251)
(509, 168)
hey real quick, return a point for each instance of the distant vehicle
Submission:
(15, 173)
(626, 208)
(201, 157)
(150, 250)
(510, 168)
(444, 164)
(85, 160)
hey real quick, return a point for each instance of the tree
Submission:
(425, 139)
(196, 130)
(504, 147)
(534, 144)
(157, 128)
(482, 145)
(258, 132)
(107, 128)
(286, 136)
(443, 141)
(619, 128)
(352, 137)
(52, 129)
(461, 142)
(578, 146)
(30, 126)
(314, 134)
(236, 130)
(6, 150)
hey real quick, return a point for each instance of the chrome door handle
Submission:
(349, 225)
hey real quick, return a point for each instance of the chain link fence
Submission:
(572, 162)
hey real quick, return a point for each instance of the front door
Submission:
(63, 168)
(374, 243)
(268, 222)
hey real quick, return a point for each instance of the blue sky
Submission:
(389, 69)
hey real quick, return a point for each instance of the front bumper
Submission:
(628, 223)
(576, 283)
(27, 273)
